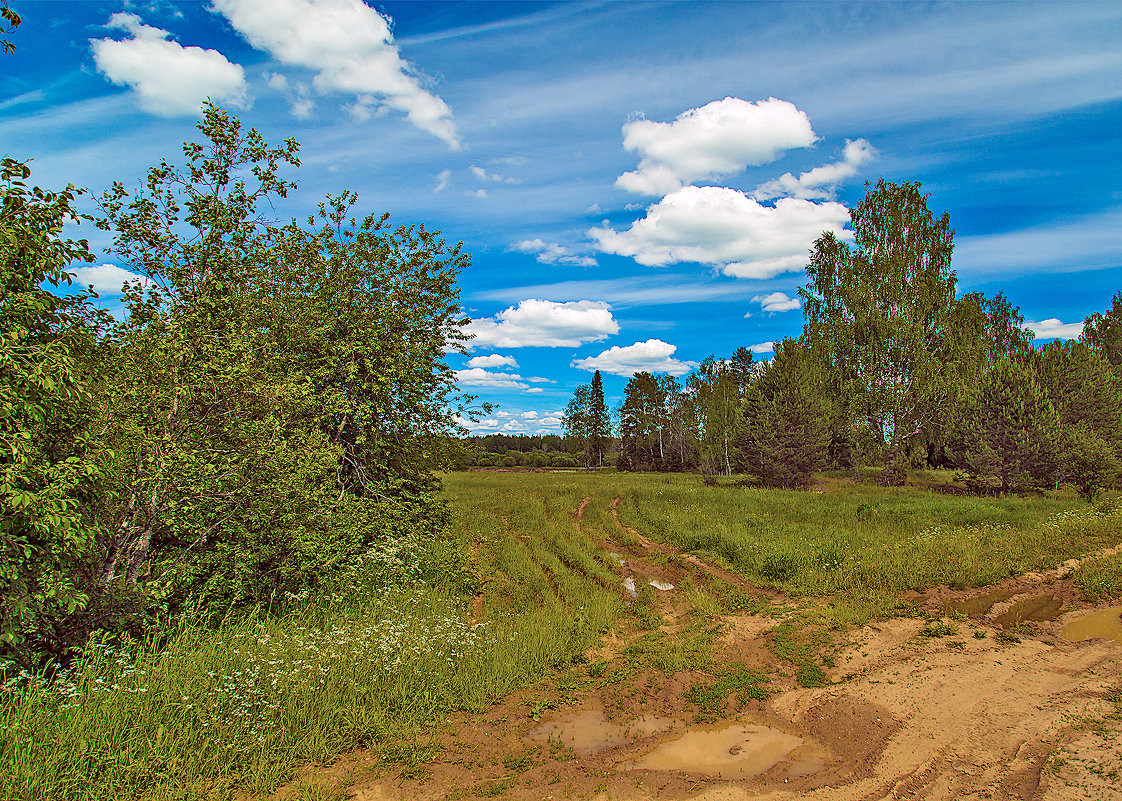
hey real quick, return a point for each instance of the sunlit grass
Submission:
(373, 659)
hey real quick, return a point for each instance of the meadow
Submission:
(518, 590)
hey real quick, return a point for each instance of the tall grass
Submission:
(868, 539)
(205, 713)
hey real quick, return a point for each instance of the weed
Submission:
(1007, 638)
(979, 634)
(520, 762)
(938, 628)
(710, 699)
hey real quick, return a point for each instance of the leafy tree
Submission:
(1103, 332)
(875, 316)
(587, 423)
(11, 21)
(279, 393)
(787, 418)
(1010, 433)
(718, 388)
(50, 456)
(642, 424)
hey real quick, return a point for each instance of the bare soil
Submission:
(992, 708)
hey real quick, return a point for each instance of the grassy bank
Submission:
(516, 591)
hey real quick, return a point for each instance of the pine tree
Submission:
(1011, 432)
(600, 423)
(787, 418)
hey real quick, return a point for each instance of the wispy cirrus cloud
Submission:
(553, 253)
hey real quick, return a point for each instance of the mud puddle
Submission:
(739, 751)
(589, 732)
(1037, 608)
(1106, 624)
(979, 606)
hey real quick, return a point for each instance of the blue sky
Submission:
(638, 183)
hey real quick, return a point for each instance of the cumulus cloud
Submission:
(106, 279)
(762, 347)
(821, 183)
(720, 138)
(726, 229)
(1052, 328)
(652, 356)
(476, 377)
(552, 253)
(350, 47)
(494, 360)
(545, 324)
(168, 78)
(777, 302)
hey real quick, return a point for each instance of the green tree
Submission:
(586, 421)
(642, 424)
(786, 428)
(50, 457)
(718, 387)
(11, 21)
(600, 422)
(875, 315)
(1103, 332)
(1010, 433)
(280, 393)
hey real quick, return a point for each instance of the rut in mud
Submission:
(980, 698)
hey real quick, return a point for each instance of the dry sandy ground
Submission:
(983, 713)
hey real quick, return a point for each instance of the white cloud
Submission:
(652, 356)
(480, 193)
(168, 78)
(535, 389)
(726, 229)
(820, 183)
(494, 360)
(475, 377)
(762, 347)
(777, 302)
(545, 324)
(443, 178)
(552, 253)
(483, 175)
(106, 279)
(350, 47)
(720, 138)
(1052, 328)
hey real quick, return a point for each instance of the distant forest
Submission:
(893, 370)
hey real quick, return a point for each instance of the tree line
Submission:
(894, 370)
(268, 408)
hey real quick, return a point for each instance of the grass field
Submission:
(519, 589)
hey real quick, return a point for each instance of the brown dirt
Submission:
(985, 712)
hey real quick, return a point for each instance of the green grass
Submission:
(212, 713)
(1099, 579)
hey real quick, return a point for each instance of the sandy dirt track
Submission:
(982, 713)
